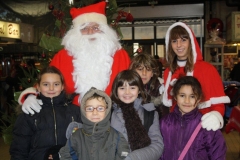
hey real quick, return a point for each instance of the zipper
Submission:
(72, 119)
(35, 136)
(55, 123)
(35, 122)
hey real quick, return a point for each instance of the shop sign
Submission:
(9, 30)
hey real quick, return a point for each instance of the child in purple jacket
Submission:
(178, 126)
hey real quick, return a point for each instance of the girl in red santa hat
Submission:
(185, 58)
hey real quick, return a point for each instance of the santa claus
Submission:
(92, 56)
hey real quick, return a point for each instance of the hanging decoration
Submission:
(127, 15)
(50, 6)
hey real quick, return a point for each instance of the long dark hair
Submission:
(175, 33)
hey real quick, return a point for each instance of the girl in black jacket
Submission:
(37, 136)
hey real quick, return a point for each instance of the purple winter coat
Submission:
(176, 131)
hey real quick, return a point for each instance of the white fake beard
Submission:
(92, 59)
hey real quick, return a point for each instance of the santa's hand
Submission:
(212, 121)
(31, 104)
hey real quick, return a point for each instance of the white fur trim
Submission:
(167, 102)
(161, 89)
(222, 99)
(173, 82)
(89, 17)
(217, 100)
(204, 104)
(190, 73)
(30, 90)
(161, 80)
(181, 63)
(190, 35)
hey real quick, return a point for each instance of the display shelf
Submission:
(213, 53)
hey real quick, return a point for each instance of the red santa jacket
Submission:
(63, 62)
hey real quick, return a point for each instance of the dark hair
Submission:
(148, 62)
(50, 69)
(133, 79)
(175, 33)
(189, 81)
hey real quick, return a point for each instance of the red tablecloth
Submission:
(234, 120)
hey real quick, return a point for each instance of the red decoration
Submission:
(129, 17)
(43, 55)
(59, 14)
(121, 14)
(214, 24)
(139, 50)
(51, 6)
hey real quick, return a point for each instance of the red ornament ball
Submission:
(43, 55)
(50, 6)
(129, 17)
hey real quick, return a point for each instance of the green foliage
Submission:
(29, 79)
(111, 10)
(8, 121)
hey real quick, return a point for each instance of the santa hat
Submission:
(91, 13)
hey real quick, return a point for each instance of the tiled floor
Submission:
(232, 140)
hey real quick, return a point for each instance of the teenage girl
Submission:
(42, 134)
(129, 114)
(178, 126)
(147, 68)
(185, 58)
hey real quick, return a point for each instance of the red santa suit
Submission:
(207, 75)
(63, 62)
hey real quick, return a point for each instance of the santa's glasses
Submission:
(94, 28)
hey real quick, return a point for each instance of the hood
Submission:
(90, 93)
(197, 54)
(89, 127)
